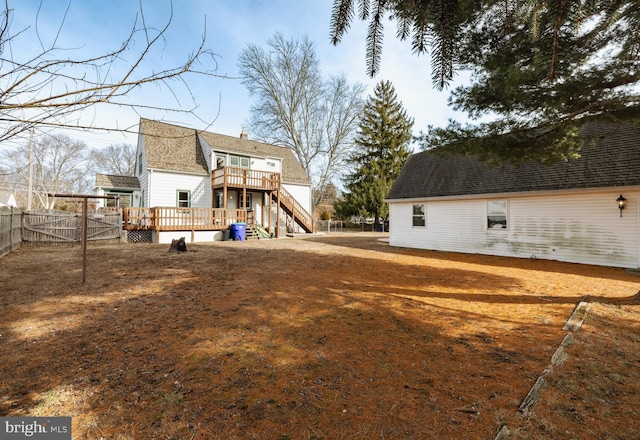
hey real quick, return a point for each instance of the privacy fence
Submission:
(10, 229)
(55, 227)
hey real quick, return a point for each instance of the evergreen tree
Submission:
(540, 69)
(383, 137)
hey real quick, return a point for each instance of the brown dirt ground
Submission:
(326, 337)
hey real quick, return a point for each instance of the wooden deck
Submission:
(181, 219)
(232, 177)
(216, 219)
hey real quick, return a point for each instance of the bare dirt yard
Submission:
(335, 336)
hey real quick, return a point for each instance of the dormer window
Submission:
(239, 161)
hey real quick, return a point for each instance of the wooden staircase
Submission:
(293, 209)
(254, 229)
(296, 214)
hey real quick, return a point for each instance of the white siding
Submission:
(260, 164)
(302, 193)
(197, 237)
(165, 186)
(143, 177)
(578, 227)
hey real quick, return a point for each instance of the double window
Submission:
(419, 215)
(123, 201)
(239, 161)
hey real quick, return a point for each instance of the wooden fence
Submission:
(53, 226)
(10, 229)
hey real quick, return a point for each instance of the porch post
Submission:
(244, 190)
(278, 213)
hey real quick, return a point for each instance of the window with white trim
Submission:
(246, 204)
(183, 198)
(123, 201)
(419, 215)
(239, 161)
(497, 214)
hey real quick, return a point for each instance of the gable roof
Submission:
(174, 148)
(292, 171)
(7, 198)
(111, 181)
(612, 160)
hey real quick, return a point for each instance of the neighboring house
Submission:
(567, 211)
(127, 188)
(8, 199)
(179, 167)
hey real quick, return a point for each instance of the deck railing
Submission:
(181, 219)
(243, 178)
(296, 210)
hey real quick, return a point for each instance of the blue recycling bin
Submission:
(239, 231)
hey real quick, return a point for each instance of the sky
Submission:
(222, 104)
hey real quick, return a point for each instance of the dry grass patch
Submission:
(330, 337)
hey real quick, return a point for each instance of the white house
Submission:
(585, 210)
(7, 198)
(127, 188)
(179, 167)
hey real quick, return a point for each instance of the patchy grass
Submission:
(328, 337)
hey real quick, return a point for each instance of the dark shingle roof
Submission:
(175, 148)
(613, 160)
(123, 182)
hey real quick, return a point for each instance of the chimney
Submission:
(244, 135)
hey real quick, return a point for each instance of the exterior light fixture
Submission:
(621, 203)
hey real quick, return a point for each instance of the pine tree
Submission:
(383, 138)
(539, 69)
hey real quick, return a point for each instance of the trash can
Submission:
(226, 234)
(239, 231)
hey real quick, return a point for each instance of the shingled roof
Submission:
(174, 148)
(612, 160)
(111, 181)
(292, 171)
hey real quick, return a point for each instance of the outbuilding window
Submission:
(419, 215)
(497, 214)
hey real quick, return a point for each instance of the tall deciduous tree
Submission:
(116, 159)
(541, 69)
(383, 141)
(60, 165)
(296, 108)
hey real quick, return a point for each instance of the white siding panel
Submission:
(198, 236)
(302, 193)
(583, 228)
(456, 226)
(580, 228)
(165, 186)
(143, 177)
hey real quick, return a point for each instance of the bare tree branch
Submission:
(51, 89)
